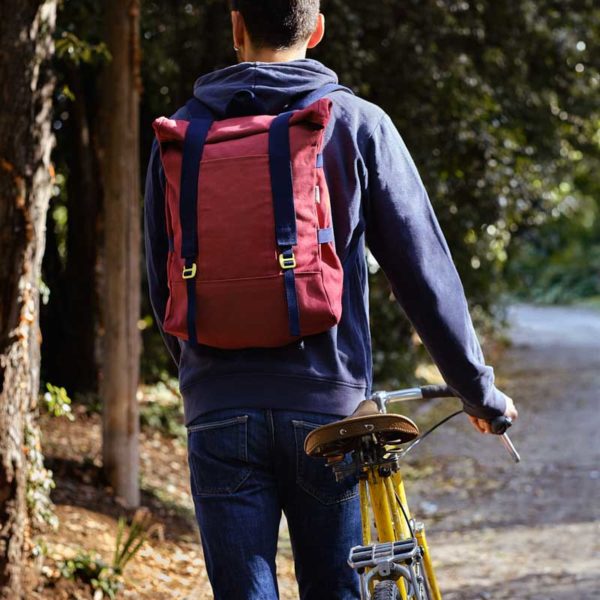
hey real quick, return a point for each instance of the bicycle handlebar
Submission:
(499, 425)
(437, 391)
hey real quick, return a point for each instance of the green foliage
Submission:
(70, 47)
(166, 418)
(394, 355)
(78, 35)
(40, 482)
(156, 363)
(91, 569)
(566, 276)
(127, 547)
(562, 263)
(58, 215)
(57, 402)
(107, 579)
(162, 410)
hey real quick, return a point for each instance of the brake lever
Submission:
(510, 447)
(499, 426)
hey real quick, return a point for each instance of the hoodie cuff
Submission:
(494, 406)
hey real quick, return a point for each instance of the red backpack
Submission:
(252, 261)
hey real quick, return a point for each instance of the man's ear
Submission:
(318, 33)
(238, 27)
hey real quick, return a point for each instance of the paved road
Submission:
(527, 531)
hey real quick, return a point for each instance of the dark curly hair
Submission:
(278, 23)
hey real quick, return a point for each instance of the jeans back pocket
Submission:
(218, 456)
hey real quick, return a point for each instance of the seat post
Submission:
(379, 398)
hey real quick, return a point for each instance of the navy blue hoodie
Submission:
(377, 199)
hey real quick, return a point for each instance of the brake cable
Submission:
(431, 430)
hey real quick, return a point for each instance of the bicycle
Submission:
(398, 564)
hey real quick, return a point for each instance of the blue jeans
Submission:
(247, 466)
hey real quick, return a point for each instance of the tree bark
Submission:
(121, 296)
(26, 142)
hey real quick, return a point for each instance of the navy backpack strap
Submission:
(193, 146)
(284, 210)
(280, 167)
(317, 94)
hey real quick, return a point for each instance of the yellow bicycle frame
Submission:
(381, 494)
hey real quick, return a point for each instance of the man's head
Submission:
(263, 28)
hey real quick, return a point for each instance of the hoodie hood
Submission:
(274, 84)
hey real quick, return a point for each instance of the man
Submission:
(248, 411)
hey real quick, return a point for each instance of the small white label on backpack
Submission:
(317, 195)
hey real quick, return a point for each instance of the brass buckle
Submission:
(287, 262)
(189, 272)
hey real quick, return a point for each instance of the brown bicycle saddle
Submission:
(343, 436)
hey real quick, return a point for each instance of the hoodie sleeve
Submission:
(157, 246)
(405, 237)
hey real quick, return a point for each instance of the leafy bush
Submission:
(560, 261)
(107, 579)
(57, 402)
(162, 409)
(91, 569)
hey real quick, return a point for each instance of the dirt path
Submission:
(497, 530)
(527, 531)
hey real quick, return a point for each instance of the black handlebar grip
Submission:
(437, 391)
(499, 425)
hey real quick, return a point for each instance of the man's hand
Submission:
(484, 426)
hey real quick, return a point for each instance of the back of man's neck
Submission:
(268, 55)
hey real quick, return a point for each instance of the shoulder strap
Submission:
(317, 94)
(284, 211)
(193, 146)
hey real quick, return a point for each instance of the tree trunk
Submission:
(121, 295)
(26, 140)
(84, 190)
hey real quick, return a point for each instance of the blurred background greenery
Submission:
(497, 101)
